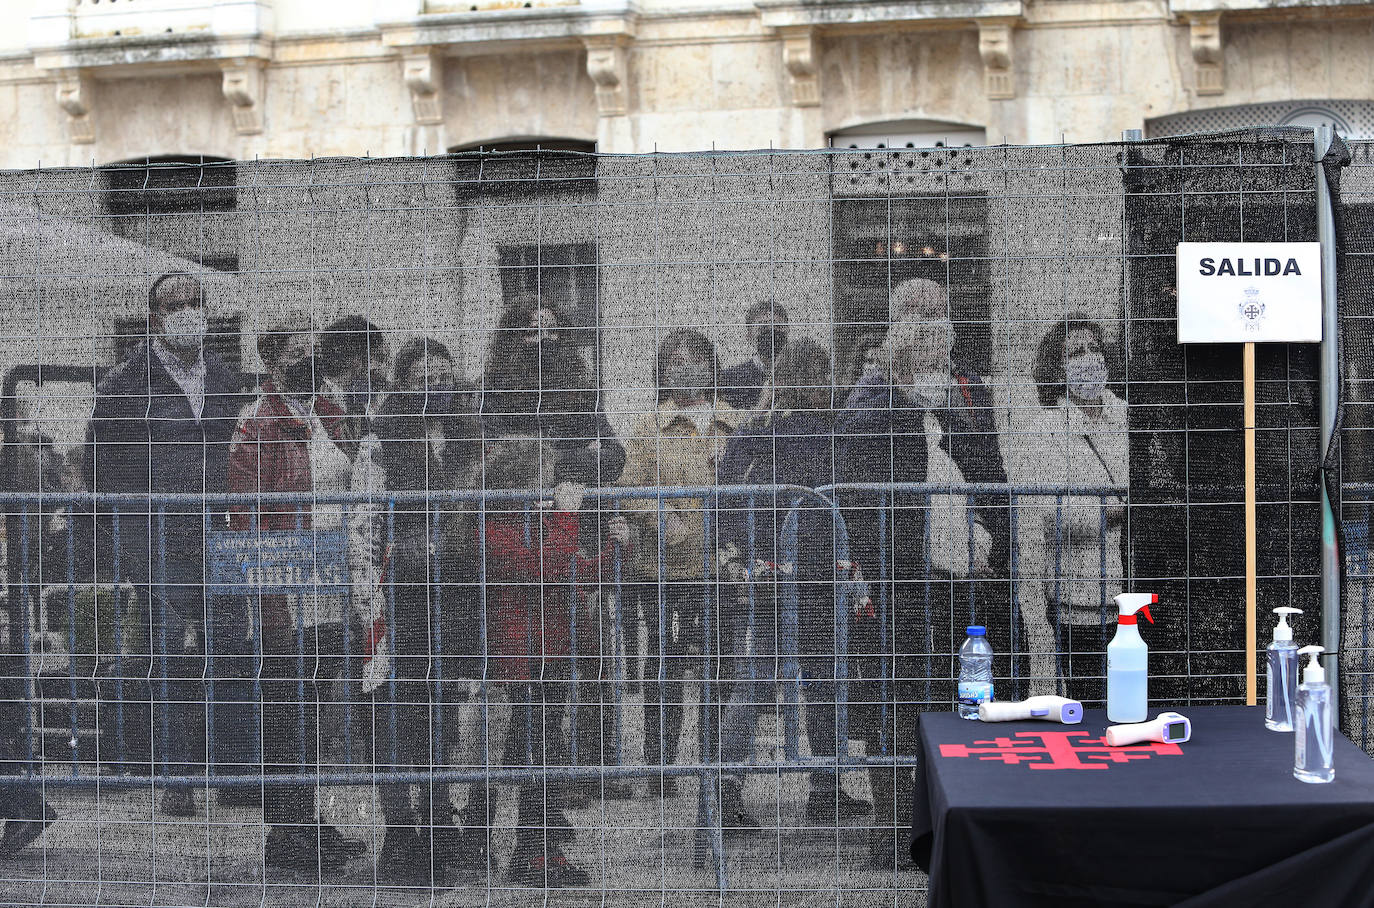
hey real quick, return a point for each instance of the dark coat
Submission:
(144, 438)
(742, 385)
(881, 438)
(786, 448)
(434, 550)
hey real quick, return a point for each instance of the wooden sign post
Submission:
(1249, 293)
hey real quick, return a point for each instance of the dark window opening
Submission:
(501, 170)
(879, 243)
(170, 184)
(563, 277)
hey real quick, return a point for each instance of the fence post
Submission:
(1330, 395)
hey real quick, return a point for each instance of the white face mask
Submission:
(1086, 375)
(930, 389)
(185, 329)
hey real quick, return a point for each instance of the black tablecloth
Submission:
(1035, 813)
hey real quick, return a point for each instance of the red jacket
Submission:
(522, 626)
(270, 453)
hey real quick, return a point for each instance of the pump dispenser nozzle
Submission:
(1281, 630)
(1312, 672)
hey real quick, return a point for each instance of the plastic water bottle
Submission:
(975, 672)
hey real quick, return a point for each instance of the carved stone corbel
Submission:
(423, 72)
(799, 59)
(242, 87)
(999, 72)
(74, 97)
(608, 67)
(1204, 39)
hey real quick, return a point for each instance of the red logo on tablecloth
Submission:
(1057, 750)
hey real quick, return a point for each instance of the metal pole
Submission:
(1330, 393)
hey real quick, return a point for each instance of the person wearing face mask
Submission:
(742, 385)
(790, 445)
(678, 444)
(537, 381)
(924, 417)
(161, 424)
(290, 440)
(353, 370)
(1077, 436)
(422, 440)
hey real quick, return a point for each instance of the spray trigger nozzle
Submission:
(1145, 610)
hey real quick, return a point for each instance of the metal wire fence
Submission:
(508, 527)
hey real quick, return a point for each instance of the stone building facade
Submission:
(639, 244)
(85, 81)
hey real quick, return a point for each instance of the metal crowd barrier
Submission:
(1357, 660)
(79, 692)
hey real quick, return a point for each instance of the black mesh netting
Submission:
(458, 528)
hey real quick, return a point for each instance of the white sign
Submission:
(1241, 292)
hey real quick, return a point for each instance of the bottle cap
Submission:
(1313, 673)
(977, 630)
(1281, 630)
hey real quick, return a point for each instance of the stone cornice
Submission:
(839, 13)
(497, 30)
(119, 57)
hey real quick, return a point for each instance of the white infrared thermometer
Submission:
(1169, 728)
(1047, 709)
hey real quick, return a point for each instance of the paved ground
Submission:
(114, 849)
(109, 850)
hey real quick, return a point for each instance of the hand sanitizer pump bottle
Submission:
(1314, 723)
(1281, 669)
(1128, 661)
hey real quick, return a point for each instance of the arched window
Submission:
(909, 134)
(1351, 119)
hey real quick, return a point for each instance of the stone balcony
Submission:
(423, 32)
(83, 40)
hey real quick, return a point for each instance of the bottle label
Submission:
(972, 693)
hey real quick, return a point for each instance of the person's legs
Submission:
(178, 610)
(664, 668)
(22, 811)
(231, 733)
(482, 744)
(542, 824)
(287, 808)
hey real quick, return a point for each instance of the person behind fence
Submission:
(792, 444)
(742, 385)
(289, 441)
(926, 419)
(353, 362)
(537, 381)
(161, 424)
(24, 812)
(677, 445)
(414, 580)
(534, 573)
(1076, 436)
